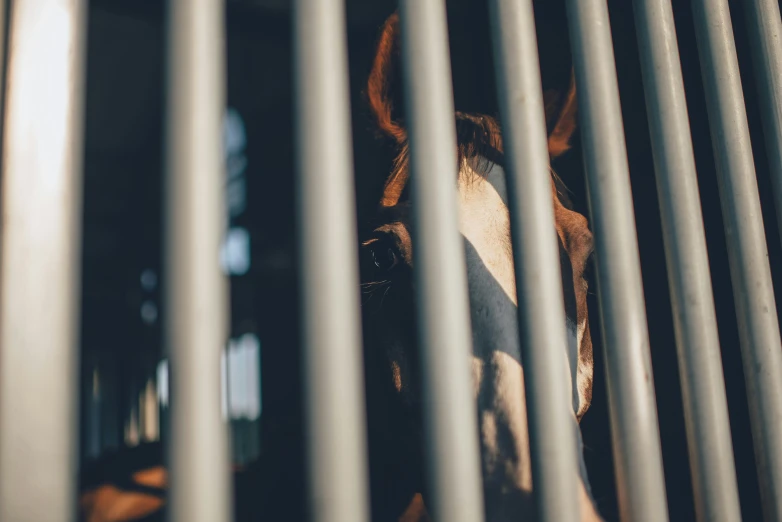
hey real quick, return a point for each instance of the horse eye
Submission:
(384, 259)
(589, 269)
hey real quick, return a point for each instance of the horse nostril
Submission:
(384, 259)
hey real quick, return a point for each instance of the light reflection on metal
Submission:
(440, 272)
(333, 381)
(695, 321)
(41, 259)
(552, 424)
(196, 304)
(753, 290)
(631, 398)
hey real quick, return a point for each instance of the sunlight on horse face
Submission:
(498, 378)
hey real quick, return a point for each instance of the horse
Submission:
(394, 404)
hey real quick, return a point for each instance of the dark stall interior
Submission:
(122, 374)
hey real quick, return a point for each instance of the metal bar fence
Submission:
(761, 348)
(336, 433)
(41, 242)
(552, 424)
(41, 251)
(440, 269)
(634, 428)
(196, 291)
(695, 321)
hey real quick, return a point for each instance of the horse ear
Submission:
(561, 118)
(383, 82)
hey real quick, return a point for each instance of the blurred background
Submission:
(124, 390)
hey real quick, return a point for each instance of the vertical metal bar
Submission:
(689, 280)
(41, 251)
(553, 445)
(334, 386)
(761, 348)
(634, 428)
(440, 266)
(764, 27)
(196, 296)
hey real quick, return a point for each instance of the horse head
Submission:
(389, 305)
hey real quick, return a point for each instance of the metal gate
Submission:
(42, 172)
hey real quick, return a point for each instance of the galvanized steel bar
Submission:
(196, 291)
(689, 280)
(334, 391)
(440, 266)
(41, 261)
(764, 27)
(553, 445)
(634, 428)
(761, 348)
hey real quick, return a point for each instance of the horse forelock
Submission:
(479, 142)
